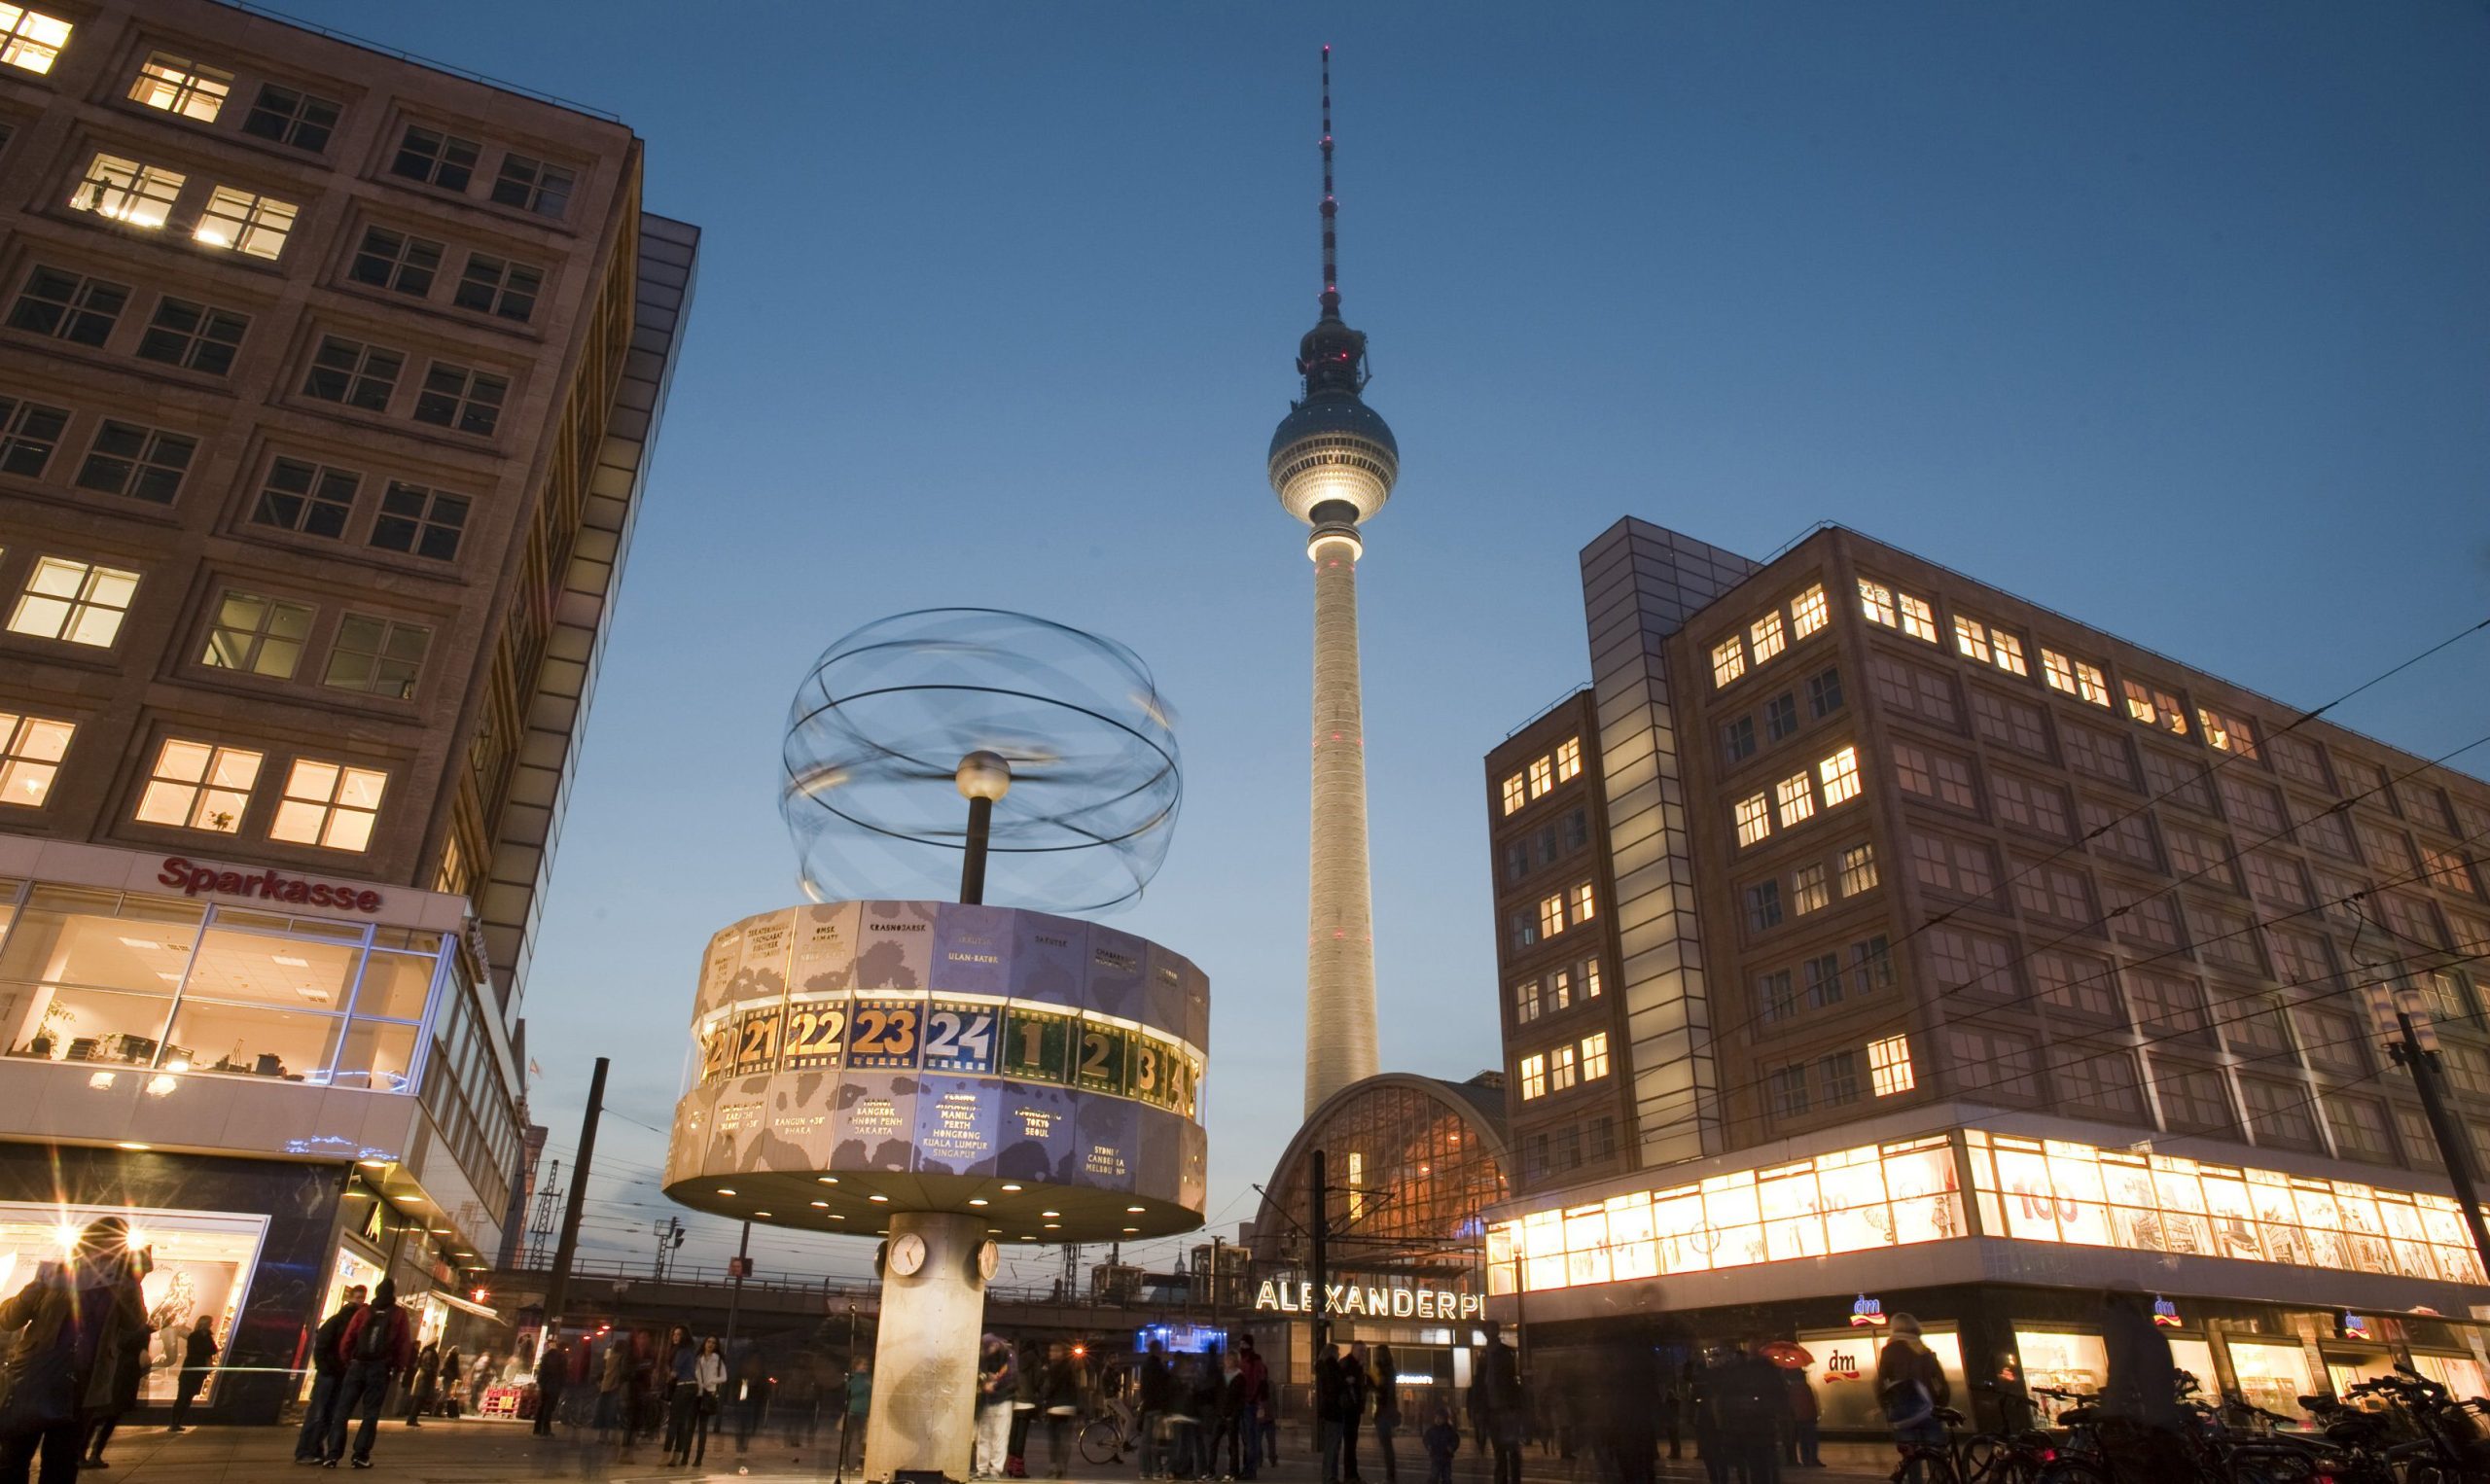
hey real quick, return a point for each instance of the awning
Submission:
(456, 1302)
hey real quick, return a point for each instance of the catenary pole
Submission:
(2421, 1058)
(557, 1288)
(1320, 1228)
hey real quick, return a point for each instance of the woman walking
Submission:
(198, 1355)
(1387, 1410)
(678, 1370)
(1060, 1396)
(709, 1375)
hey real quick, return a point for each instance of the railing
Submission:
(1570, 693)
(352, 40)
(828, 1288)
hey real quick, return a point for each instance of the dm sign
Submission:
(1394, 1302)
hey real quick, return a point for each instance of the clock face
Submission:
(907, 1253)
(988, 1257)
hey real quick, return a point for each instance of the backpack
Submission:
(1907, 1402)
(373, 1343)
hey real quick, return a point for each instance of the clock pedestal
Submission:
(923, 1418)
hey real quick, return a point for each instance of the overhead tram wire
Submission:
(2083, 934)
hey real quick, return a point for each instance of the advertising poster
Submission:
(1050, 959)
(760, 968)
(1107, 1145)
(1099, 1054)
(958, 1120)
(1035, 1132)
(1036, 1044)
(1117, 963)
(896, 951)
(971, 950)
(885, 1035)
(876, 1124)
(962, 1036)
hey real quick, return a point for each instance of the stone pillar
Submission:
(924, 1409)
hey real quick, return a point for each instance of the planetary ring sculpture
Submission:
(1096, 778)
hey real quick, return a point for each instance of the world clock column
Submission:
(923, 1416)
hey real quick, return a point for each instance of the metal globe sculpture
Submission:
(880, 726)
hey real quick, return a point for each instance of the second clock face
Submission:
(988, 1257)
(907, 1253)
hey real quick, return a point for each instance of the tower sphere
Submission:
(1334, 447)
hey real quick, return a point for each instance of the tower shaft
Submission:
(1340, 947)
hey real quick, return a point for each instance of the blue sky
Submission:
(2174, 317)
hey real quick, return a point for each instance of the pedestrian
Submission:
(1028, 1385)
(1357, 1389)
(453, 1397)
(1703, 1404)
(709, 1373)
(860, 1403)
(752, 1387)
(128, 1365)
(1060, 1396)
(1387, 1409)
(1231, 1414)
(198, 1358)
(1154, 1389)
(425, 1383)
(72, 1315)
(1258, 1417)
(1201, 1409)
(1498, 1403)
(1911, 1386)
(378, 1346)
(996, 1367)
(552, 1375)
(1753, 1402)
(481, 1376)
(1673, 1407)
(1327, 1402)
(1441, 1440)
(1806, 1413)
(613, 1385)
(679, 1365)
(328, 1370)
(2142, 1385)
(646, 1406)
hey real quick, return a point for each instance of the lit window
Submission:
(1809, 612)
(1585, 906)
(1514, 798)
(292, 117)
(68, 307)
(192, 336)
(310, 498)
(2229, 734)
(2140, 702)
(498, 286)
(1560, 1069)
(2091, 684)
(1858, 869)
(1798, 800)
(76, 602)
(199, 785)
(1755, 818)
(1919, 619)
(419, 521)
(1971, 637)
(1551, 915)
(1808, 890)
(1876, 603)
(246, 222)
(461, 397)
(1768, 637)
(142, 463)
(31, 39)
(126, 190)
(178, 85)
(377, 657)
(328, 803)
(1841, 775)
(1889, 1065)
(396, 261)
(1560, 989)
(354, 373)
(1569, 759)
(1533, 1077)
(1543, 777)
(1594, 1056)
(1729, 661)
(259, 635)
(435, 159)
(30, 751)
(2009, 653)
(534, 185)
(29, 433)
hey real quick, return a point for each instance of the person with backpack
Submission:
(68, 1323)
(328, 1370)
(1911, 1386)
(380, 1346)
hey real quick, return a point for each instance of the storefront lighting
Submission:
(761, 1215)
(480, 1294)
(372, 1164)
(2165, 1313)
(1054, 1227)
(100, 1081)
(140, 942)
(178, 1064)
(1027, 1237)
(291, 961)
(835, 1217)
(1133, 1231)
(67, 1236)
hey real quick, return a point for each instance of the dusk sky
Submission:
(2175, 318)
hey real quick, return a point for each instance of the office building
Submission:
(1945, 953)
(328, 380)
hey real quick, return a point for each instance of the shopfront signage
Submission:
(1392, 1301)
(267, 886)
(2354, 1326)
(1867, 1313)
(2165, 1313)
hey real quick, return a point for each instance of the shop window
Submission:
(1809, 612)
(201, 1265)
(74, 601)
(1889, 1066)
(200, 785)
(376, 1055)
(31, 747)
(84, 979)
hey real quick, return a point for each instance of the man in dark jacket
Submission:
(1497, 1402)
(328, 1367)
(552, 1373)
(378, 1344)
(1327, 1399)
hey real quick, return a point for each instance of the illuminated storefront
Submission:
(2003, 1244)
(284, 1084)
(1413, 1165)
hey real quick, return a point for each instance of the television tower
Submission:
(1332, 464)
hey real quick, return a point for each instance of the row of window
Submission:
(1555, 1152)
(1781, 716)
(1823, 980)
(1558, 1069)
(1558, 911)
(292, 115)
(1558, 989)
(1553, 841)
(1763, 640)
(1795, 1089)
(85, 310)
(1795, 799)
(1811, 886)
(1534, 782)
(206, 787)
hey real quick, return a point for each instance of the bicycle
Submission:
(1931, 1463)
(1107, 1436)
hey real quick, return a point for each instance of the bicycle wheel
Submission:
(1983, 1458)
(1102, 1441)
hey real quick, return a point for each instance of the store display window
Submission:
(200, 1262)
(2060, 1359)
(2273, 1374)
(2461, 1376)
(1843, 1372)
(2344, 1370)
(2197, 1357)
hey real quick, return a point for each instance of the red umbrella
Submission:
(1786, 1354)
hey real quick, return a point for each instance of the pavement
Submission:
(473, 1451)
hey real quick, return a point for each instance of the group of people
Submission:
(1211, 1405)
(76, 1340)
(444, 1383)
(1016, 1386)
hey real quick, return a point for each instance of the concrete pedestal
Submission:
(924, 1409)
